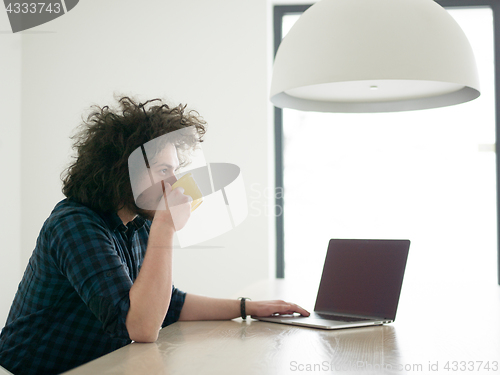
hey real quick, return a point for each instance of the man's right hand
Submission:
(174, 208)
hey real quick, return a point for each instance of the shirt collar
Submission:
(115, 223)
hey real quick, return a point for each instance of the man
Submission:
(100, 275)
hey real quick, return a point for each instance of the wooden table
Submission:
(462, 337)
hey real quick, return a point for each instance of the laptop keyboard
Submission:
(340, 317)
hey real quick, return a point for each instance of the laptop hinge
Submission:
(350, 315)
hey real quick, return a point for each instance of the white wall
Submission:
(211, 55)
(10, 145)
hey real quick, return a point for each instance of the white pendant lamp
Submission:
(374, 56)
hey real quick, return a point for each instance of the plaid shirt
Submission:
(73, 300)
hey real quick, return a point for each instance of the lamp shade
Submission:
(374, 56)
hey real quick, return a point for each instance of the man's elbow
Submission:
(142, 334)
(144, 337)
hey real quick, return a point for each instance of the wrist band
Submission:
(243, 307)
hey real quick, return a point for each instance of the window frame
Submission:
(279, 11)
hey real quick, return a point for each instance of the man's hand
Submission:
(276, 307)
(177, 209)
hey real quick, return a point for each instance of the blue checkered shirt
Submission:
(73, 300)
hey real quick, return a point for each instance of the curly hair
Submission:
(99, 176)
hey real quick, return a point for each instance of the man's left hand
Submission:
(269, 308)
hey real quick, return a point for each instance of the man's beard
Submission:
(146, 214)
(149, 201)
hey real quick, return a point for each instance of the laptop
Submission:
(360, 285)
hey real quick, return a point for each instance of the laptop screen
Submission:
(363, 277)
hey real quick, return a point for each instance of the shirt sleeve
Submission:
(175, 307)
(85, 254)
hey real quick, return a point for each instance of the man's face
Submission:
(165, 163)
(161, 167)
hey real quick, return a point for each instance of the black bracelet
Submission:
(242, 307)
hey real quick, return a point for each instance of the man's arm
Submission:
(206, 308)
(151, 292)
